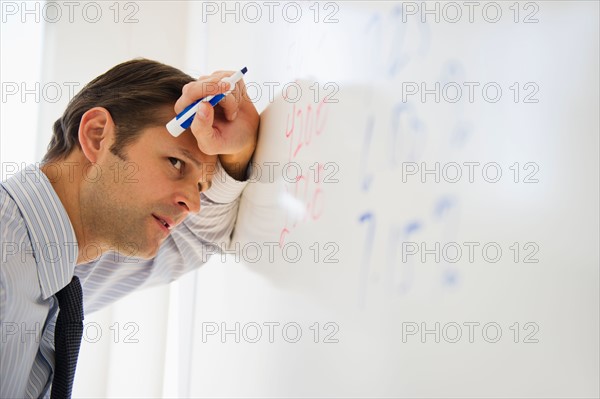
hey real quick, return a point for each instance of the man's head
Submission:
(132, 92)
(134, 181)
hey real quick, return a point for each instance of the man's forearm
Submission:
(236, 164)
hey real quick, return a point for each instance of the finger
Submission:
(201, 88)
(233, 102)
(230, 105)
(202, 128)
(196, 90)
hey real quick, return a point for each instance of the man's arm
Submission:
(236, 164)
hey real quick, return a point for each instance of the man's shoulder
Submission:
(9, 210)
(12, 224)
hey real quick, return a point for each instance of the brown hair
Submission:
(132, 92)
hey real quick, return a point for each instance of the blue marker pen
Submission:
(184, 119)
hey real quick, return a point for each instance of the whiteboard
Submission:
(422, 216)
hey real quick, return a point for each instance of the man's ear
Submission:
(96, 133)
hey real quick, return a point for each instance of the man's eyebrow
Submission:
(196, 162)
(190, 157)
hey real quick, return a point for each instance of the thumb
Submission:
(202, 127)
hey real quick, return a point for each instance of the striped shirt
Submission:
(39, 252)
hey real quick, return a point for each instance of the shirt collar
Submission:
(50, 231)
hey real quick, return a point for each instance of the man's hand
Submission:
(230, 129)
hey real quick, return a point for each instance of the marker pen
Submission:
(184, 119)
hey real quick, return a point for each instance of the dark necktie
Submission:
(67, 338)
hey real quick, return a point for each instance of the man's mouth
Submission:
(162, 221)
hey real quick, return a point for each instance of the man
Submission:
(114, 207)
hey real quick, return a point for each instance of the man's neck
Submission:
(66, 177)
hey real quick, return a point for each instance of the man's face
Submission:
(133, 204)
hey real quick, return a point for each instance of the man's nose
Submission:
(189, 199)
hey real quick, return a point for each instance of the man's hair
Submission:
(132, 92)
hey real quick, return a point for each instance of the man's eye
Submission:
(178, 164)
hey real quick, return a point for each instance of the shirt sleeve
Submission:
(189, 246)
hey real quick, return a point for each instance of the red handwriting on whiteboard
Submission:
(303, 125)
(304, 189)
